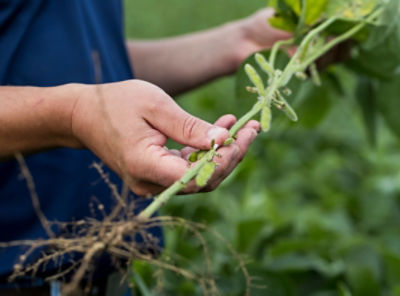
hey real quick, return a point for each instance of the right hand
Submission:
(127, 125)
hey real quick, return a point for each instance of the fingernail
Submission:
(215, 132)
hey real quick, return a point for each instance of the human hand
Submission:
(258, 34)
(127, 125)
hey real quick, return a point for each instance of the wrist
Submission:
(65, 99)
(241, 45)
(237, 35)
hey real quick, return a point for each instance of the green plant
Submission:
(315, 24)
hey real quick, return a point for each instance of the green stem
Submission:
(275, 49)
(278, 82)
(179, 185)
(288, 73)
(327, 47)
(245, 118)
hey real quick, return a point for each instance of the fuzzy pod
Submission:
(286, 108)
(201, 154)
(266, 118)
(205, 174)
(315, 75)
(194, 156)
(229, 141)
(255, 79)
(301, 76)
(264, 64)
(287, 91)
(251, 89)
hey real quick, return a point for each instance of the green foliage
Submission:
(314, 208)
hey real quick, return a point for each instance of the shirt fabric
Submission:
(49, 43)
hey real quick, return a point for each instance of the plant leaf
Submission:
(367, 101)
(389, 103)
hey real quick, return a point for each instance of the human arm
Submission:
(182, 63)
(126, 124)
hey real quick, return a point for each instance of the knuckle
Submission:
(154, 104)
(189, 127)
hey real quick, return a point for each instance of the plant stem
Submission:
(278, 81)
(245, 118)
(327, 47)
(276, 47)
(288, 72)
(179, 185)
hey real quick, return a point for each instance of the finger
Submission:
(187, 151)
(158, 166)
(227, 156)
(254, 124)
(167, 117)
(146, 189)
(244, 138)
(225, 121)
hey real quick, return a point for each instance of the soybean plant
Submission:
(272, 94)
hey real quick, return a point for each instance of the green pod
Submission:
(315, 75)
(264, 65)
(228, 141)
(286, 108)
(197, 155)
(251, 89)
(201, 154)
(301, 76)
(266, 117)
(287, 91)
(255, 78)
(193, 157)
(205, 174)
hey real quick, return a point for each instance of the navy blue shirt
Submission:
(48, 43)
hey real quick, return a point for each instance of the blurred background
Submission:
(314, 208)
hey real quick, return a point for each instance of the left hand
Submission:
(258, 34)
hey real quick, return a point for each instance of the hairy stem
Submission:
(327, 47)
(277, 82)
(179, 185)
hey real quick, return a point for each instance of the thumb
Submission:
(184, 128)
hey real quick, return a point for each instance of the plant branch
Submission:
(278, 81)
(327, 47)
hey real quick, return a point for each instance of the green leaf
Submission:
(283, 23)
(362, 281)
(300, 263)
(295, 5)
(314, 10)
(247, 231)
(316, 106)
(353, 10)
(205, 174)
(389, 103)
(344, 290)
(367, 101)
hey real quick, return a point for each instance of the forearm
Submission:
(33, 118)
(182, 63)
